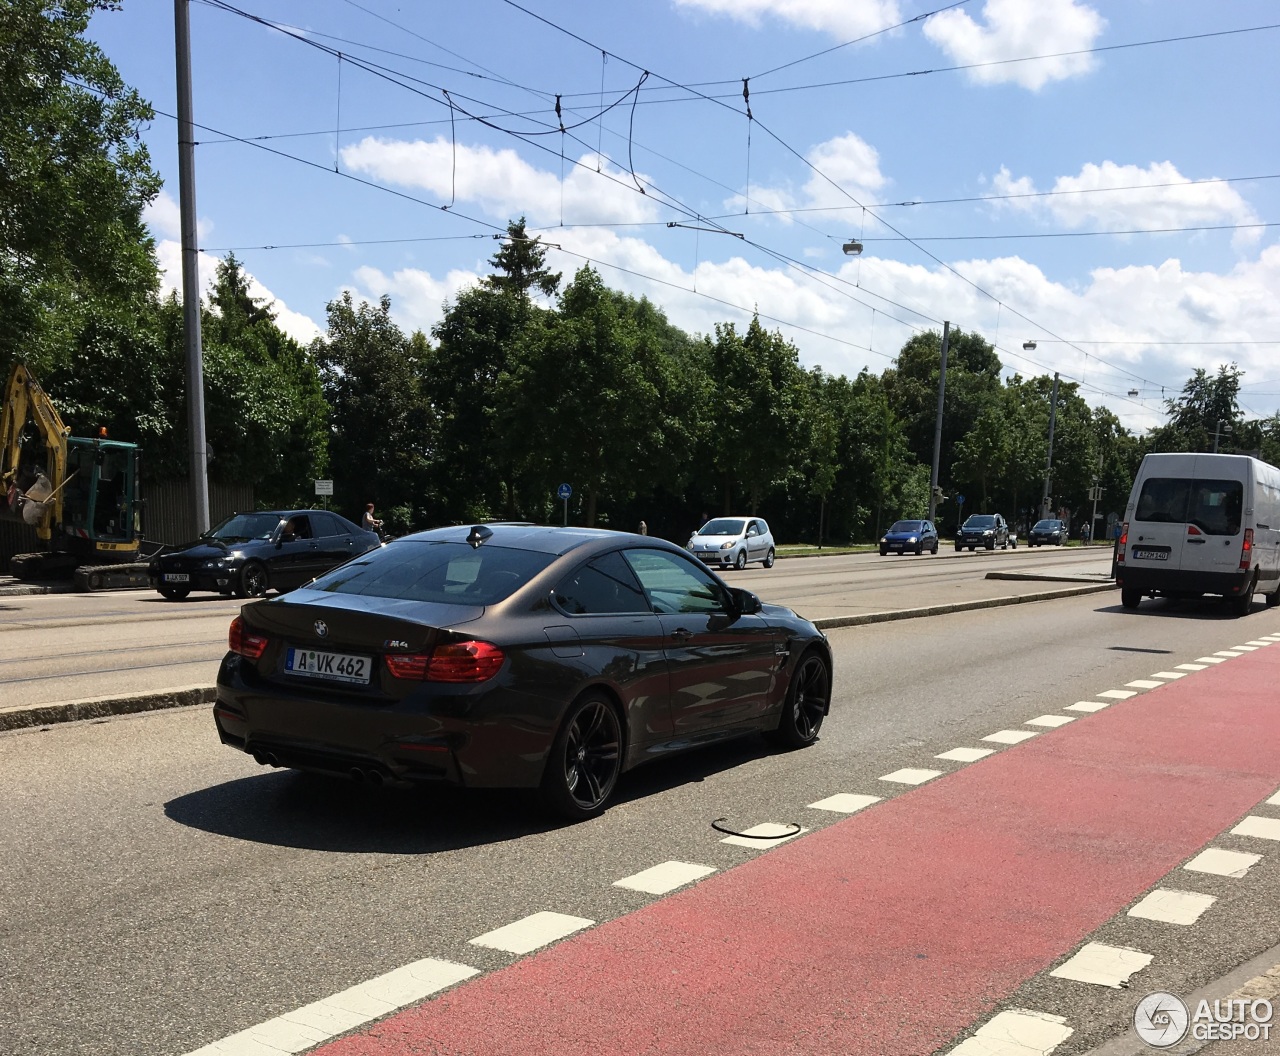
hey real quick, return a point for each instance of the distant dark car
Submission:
(909, 537)
(251, 553)
(516, 656)
(1047, 531)
(986, 530)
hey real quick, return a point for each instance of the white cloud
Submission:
(843, 19)
(503, 183)
(169, 255)
(164, 217)
(417, 298)
(1013, 29)
(849, 166)
(1161, 197)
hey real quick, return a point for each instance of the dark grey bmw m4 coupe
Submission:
(516, 656)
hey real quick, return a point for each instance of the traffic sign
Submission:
(959, 500)
(564, 491)
(324, 487)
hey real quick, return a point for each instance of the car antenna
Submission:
(479, 533)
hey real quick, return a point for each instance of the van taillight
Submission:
(1246, 551)
(1121, 543)
(250, 645)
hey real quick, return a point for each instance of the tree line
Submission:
(527, 382)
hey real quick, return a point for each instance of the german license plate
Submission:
(1150, 555)
(336, 667)
(176, 577)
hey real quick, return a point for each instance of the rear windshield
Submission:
(906, 526)
(445, 572)
(1213, 506)
(723, 526)
(980, 520)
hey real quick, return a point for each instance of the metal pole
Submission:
(1048, 469)
(937, 427)
(1216, 431)
(199, 453)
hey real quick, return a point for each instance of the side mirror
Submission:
(747, 603)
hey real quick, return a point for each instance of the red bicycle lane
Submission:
(891, 931)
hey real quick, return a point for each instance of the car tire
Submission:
(740, 562)
(883, 551)
(1242, 603)
(769, 558)
(585, 759)
(1130, 597)
(919, 549)
(1273, 599)
(991, 545)
(253, 581)
(808, 698)
(174, 593)
(958, 548)
(1013, 542)
(935, 548)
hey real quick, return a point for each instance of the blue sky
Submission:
(1096, 177)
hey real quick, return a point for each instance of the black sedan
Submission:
(516, 656)
(1048, 531)
(909, 537)
(251, 553)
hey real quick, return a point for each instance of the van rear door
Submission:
(1158, 531)
(1215, 513)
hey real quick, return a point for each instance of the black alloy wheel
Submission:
(252, 582)
(585, 760)
(174, 593)
(808, 698)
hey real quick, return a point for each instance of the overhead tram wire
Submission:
(1073, 234)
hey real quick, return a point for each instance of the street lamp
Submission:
(1029, 346)
(853, 248)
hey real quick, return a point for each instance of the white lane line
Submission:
(1018, 1032)
(1173, 907)
(911, 776)
(1228, 653)
(1192, 667)
(1274, 801)
(966, 755)
(532, 932)
(1118, 694)
(313, 1024)
(1088, 705)
(1259, 644)
(1221, 862)
(1169, 674)
(1212, 659)
(1244, 648)
(659, 879)
(1053, 721)
(1010, 736)
(1144, 683)
(1261, 828)
(845, 802)
(1103, 965)
(776, 831)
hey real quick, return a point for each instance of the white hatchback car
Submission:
(730, 542)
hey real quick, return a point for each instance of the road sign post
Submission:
(563, 492)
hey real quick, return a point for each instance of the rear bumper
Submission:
(1182, 581)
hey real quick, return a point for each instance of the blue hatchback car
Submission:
(909, 537)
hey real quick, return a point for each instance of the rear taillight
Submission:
(246, 644)
(1246, 551)
(455, 662)
(1121, 543)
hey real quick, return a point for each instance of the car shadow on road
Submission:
(1207, 608)
(288, 808)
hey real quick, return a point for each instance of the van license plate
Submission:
(339, 667)
(1150, 555)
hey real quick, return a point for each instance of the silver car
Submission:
(730, 542)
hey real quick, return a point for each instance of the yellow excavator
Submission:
(79, 494)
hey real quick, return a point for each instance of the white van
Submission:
(1201, 524)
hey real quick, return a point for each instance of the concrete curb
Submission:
(21, 590)
(76, 710)
(959, 606)
(1049, 577)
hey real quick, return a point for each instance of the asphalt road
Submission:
(162, 892)
(61, 647)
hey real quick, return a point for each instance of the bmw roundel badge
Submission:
(322, 628)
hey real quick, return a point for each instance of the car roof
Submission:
(548, 539)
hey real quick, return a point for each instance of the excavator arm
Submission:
(33, 441)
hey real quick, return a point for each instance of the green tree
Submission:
(1208, 404)
(520, 265)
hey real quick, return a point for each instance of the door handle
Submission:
(1198, 542)
(682, 634)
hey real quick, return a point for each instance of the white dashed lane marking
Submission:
(660, 879)
(1173, 907)
(1192, 667)
(1221, 862)
(1103, 965)
(531, 932)
(1088, 705)
(1167, 675)
(1261, 828)
(1259, 644)
(966, 755)
(1052, 721)
(1212, 659)
(1244, 648)
(1018, 1032)
(775, 832)
(1274, 801)
(1118, 694)
(1226, 653)
(911, 776)
(318, 1022)
(845, 802)
(1144, 683)
(1010, 736)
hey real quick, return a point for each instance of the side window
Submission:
(764, 528)
(674, 584)
(301, 527)
(606, 585)
(324, 526)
